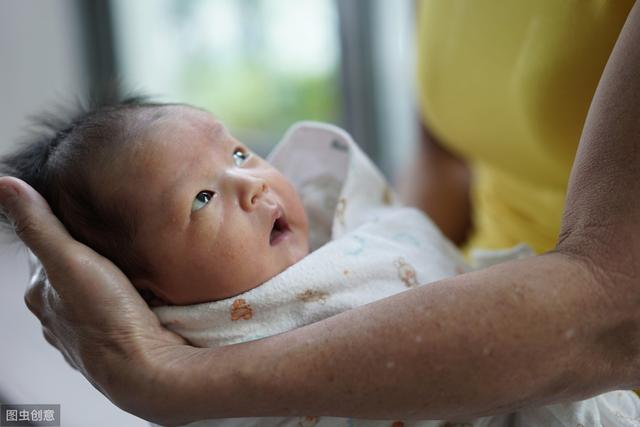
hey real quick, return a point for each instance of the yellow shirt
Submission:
(507, 85)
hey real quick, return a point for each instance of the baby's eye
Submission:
(240, 156)
(201, 200)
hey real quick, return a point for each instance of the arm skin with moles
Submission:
(556, 327)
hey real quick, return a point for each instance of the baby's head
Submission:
(189, 213)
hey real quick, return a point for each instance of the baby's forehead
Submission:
(177, 118)
(171, 135)
(152, 128)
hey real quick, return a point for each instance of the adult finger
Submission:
(35, 224)
(34, 295)
(50, 338)
(33, 220)
(33, 299)
(35, 266)
(74, 272)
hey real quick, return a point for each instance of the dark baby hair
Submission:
(60, 162)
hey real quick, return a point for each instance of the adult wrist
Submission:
(186, 384)
(148, 383)
(615, 339)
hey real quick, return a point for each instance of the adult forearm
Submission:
(522, 333)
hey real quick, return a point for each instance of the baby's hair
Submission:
(59, 161)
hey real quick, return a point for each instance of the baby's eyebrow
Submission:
(214, 127)
(217, 123)
(218, 130)
(172, 190)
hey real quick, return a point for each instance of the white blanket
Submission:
(365, 247)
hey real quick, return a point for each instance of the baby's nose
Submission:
(251, 189)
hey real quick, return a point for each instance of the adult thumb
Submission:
(31, 218)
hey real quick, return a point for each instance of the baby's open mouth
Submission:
(279, 230)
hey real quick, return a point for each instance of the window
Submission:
(259, 65)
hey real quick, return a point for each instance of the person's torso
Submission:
(507, 85)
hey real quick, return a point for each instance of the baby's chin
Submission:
(294, 257)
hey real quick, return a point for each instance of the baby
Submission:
(188, 213)
(228, 248)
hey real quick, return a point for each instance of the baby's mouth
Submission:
(279, 231)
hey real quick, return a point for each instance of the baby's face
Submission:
(213, 219)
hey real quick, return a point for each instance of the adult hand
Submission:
(88, 309)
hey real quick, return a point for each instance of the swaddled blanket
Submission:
(365, 247)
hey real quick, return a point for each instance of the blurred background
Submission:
(259, 65)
